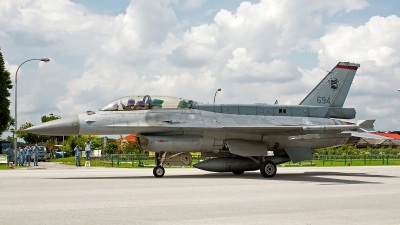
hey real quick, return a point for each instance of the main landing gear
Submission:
(268, 169)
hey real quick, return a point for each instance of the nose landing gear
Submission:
(158, 171)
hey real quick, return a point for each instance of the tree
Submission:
(10, 139)
(111, 148)
(5, 85)
(130, 147)
(49, 118)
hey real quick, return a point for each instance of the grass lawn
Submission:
(96, 162)
(5, 167)
(360, 162)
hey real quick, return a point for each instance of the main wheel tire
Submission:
(158, 171)
(268, 169)
(238, 172)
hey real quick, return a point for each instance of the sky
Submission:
(255, 51)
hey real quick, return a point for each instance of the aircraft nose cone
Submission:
(60, 127)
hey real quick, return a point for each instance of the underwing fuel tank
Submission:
(227, 164)
(232, 164)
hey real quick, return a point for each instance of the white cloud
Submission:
(374, 41)
(203, 34)
(310, 77)
(11, 68)
(60, 23)
(267, 30)
(272, 28)
(243, 68)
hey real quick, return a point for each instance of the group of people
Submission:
(78, 150)
(24, 155)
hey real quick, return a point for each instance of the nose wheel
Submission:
(158, 171)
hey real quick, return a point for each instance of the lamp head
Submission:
(45, 60)
(219, 89)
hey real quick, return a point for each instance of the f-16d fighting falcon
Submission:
(231, 137)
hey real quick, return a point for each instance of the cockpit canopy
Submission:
(142, 102)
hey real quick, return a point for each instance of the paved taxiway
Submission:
(57, 194)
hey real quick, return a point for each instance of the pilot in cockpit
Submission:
(144, 104)
(113, 107)
(130, 106)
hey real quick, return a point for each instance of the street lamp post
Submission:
(15, 123)
(59, 117)
(219, 89)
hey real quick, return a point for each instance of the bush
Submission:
(111, 148)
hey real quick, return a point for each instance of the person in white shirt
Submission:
(88, 143)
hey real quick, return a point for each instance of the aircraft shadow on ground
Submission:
(323, 178)
(332, 178)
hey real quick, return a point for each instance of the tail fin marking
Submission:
(333, 89)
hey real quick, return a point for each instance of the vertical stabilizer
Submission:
(333, 89)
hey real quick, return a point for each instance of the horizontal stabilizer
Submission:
(367, 135)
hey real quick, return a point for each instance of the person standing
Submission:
(23, 153)
(28, 155)
(77, 151)
(21, 156)
(87, 149)
(18, 156)
(35, 155)
(10, 154)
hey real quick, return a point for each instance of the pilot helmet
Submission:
(131, 102)
(115, 105)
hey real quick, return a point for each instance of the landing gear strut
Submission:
(268, 169)
(159, 170)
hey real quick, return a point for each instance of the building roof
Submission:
(131, 137)
(389, 135)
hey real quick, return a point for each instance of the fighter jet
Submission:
(231, 137)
